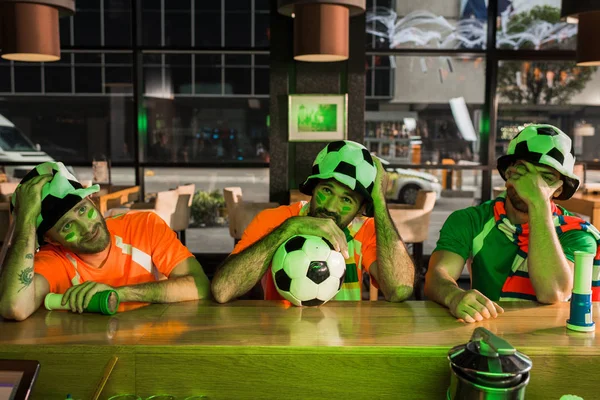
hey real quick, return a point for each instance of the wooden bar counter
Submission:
(270, 350)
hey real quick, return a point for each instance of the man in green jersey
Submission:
(519, 246)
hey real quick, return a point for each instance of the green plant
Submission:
(205, 208)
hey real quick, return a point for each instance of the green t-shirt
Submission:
(492, 264)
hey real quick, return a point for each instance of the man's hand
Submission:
(322, 227)
(78, 297)
(381, 181)
(473, 306)
(28, 202)
(530, 185)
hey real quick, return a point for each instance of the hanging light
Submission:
(30, 30)
(321, 27)
(588, 14)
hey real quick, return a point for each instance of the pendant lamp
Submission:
(588, 13)
(321, 27)
(29, 30)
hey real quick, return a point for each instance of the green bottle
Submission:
(105, 302)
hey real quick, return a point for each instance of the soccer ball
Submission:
(307, 271)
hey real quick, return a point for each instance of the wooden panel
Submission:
(299, 376)
(77, 370)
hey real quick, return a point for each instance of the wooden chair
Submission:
(412, 222)
(240, 213)
(180, 220)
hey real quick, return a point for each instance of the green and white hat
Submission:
(59, 195)
(347, 162)
(546, 145)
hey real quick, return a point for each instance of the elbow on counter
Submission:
(219, 294)
(552, 298)
(399, 294)
(13, 312)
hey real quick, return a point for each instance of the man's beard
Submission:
(517, 203)
(92, 245)
(323, 213)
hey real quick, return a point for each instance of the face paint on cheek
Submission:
(70, 237)
(92, 213)
(320, 198)
(345, 210)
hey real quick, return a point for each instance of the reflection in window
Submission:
(434, 112)
(533, 24)
(196, 130)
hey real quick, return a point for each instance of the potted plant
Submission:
(207, 208)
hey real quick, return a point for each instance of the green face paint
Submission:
(92, 213)
(70, 237)
(320, 198)
(345, 210)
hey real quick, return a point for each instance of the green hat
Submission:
(59, 195)
(546, 145)
(347, 162)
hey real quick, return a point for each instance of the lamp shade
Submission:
(30, 30)
(321, 27)
(572, 8)
(321, 33)
(588, 51)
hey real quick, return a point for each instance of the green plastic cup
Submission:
(105, 302)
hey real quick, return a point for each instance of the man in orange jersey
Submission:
(81, 253)
(348, 209)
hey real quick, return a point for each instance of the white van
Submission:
(16, 147)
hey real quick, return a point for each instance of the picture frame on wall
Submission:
(317, 117)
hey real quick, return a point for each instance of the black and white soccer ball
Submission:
(307, 271)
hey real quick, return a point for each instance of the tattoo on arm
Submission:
(29, 256)
(26, 277)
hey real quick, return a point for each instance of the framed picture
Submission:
(317, 117)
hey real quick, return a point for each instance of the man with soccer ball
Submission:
(520, 245)
(347, 209)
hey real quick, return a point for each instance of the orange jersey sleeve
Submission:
(52, 265)
(264, 223)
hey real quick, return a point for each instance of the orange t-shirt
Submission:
(143, 247)
(361, 230)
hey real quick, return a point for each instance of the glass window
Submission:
(433, 114)
(238, 26)
(262, 29)
(534, 25)
(151, 23)
(74, 128)
(208, 74)
(117, 23)
(28, 77)
(196, 130)
(87, 23)
(436, 24)
(178, 23)
(551, 92)
(65, 31)
(5, 76)
(208, 231)
(178, 73)
(207, 26)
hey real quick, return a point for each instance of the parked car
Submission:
(16, 147)
(403, 185)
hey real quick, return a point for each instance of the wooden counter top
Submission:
(236, 338)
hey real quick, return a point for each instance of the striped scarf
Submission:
(350, 289)
(518, 285)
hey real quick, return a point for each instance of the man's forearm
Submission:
(240, 272)
(440, 287)
(17, 289)
(395, 269)
(173, 290)
(549, 271)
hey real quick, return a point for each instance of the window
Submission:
(434, 112)
(551, 92)
(534, 25)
